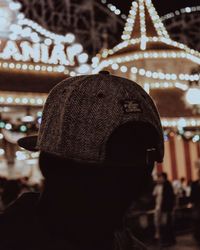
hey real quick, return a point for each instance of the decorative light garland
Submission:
(187, 135)
(114, 9)
(157, 75)
(22, 99)
(187, 128)
(164, 85)
(68, 38)
(167, 16)
(162, 32)
(191, 54)
(36, 67)
(116, 63)
(142, 25)
(180, 122)
(138, 8)
(179, 12)
(128, 29)
(21, 128)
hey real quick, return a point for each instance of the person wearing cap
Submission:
(99, 139)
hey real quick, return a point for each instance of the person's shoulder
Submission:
(18, 211)
(23, 205)
(18, 220)
(169, 184)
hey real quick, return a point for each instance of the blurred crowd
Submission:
(168, 209)
(11, 189)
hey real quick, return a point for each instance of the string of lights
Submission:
(157, 75)
(119, 63)
(69, 38)
(181, 11)
(170, 15)
(128, 29)
(180, 122)
(22, 99)
(194, 55)
(187, 135)
(185, 128)
(22, 127)
(36, 67)
(114, 9)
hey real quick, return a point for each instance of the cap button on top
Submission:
(104, 72)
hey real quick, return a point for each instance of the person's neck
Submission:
(52, 202)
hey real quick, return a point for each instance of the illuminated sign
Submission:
(40, 52)
(26, 45)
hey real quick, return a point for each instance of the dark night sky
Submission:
(162, 6)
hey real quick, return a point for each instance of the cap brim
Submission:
(29, 143)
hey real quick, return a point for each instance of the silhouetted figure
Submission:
(10, 192)
(99, 139)
(182, 192)
(164, 204)
(195, 199)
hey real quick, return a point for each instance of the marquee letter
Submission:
(11, 51)
(30, 51)
(58, 55)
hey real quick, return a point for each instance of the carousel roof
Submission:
(143, 22)
(144, 37)
(144, 32)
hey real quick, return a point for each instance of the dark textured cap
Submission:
(82, 112)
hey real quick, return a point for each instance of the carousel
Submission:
(169, 72)
(32, 61)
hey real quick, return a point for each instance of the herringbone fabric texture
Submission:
(82, 112)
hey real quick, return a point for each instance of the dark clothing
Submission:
(168, 197)
(195, 193)
(166, 228)
(195, 198)
(19, 228)
(80, 208)
(22, 228)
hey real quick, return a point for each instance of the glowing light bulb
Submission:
(193, 96)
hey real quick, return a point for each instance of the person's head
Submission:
(182, 180)
(162, 177)
(98, 121)
(129, 146)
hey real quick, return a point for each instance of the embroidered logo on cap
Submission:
(131, 106)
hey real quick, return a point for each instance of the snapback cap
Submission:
(81, 113)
